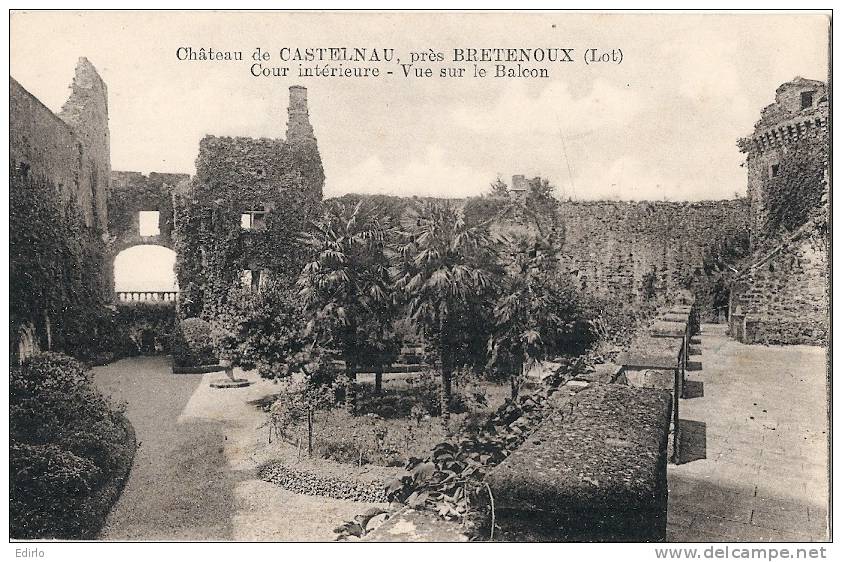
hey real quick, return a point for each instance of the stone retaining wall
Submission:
(594, 470)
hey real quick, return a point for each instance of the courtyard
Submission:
(755, 459)
(338, 325)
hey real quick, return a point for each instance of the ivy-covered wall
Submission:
(279, 180)
(56, 284)
(132, 192)
(59, 171)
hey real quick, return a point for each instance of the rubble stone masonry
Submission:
(629, 248)
(781, 296)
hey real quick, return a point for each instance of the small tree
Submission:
(346, 288)
(499, 188)
(300, 400)
(446, 271)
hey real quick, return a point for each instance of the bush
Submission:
(192, 344)
(265, 330)
(144, 327)
(70, 450)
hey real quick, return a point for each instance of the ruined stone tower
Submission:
(86, 112)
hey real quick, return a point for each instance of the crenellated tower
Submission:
(786, 158)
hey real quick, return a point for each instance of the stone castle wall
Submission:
(71, 149)
(783, 297)
(132, 192)
(628, 249)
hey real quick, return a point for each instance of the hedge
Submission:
(70, 451)
(192, 346)
(145, 327)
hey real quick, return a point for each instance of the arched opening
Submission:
(145, 272)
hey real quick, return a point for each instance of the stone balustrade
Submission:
(146, 296)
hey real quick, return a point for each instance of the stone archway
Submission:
(144, 272)
(140, 211)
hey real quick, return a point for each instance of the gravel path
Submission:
(194, 475)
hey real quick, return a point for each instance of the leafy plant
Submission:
(265, 330)
(446, 272)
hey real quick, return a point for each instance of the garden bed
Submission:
(316, 481)
(355, 455)
(396, 424)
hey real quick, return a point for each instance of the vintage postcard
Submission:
(385, 276)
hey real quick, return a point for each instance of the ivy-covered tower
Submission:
(238, 220)
(782, 294)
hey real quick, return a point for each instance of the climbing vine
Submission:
(282, 182)
(57, 279)
(797, 191)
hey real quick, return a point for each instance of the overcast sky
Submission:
(663, 124)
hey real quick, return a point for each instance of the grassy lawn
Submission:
(179, 487)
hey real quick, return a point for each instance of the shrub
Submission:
(265, 330)
(192, 344)
(478, 210)
(70, 450)
(612, 321)
(144, 327)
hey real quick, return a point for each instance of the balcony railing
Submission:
(146, 296)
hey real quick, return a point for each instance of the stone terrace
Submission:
(754, 452)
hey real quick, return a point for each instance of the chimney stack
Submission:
(518, 183)
(298, 120)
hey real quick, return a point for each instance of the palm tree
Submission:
(345, 289)
(444, 270)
